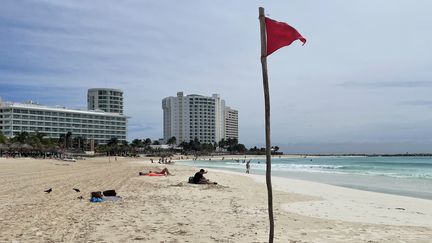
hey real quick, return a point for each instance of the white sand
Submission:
(354, 205)
(167, 209)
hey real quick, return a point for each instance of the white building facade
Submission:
(108, 100)
(231, 123)
(54, 121)
(194, 116)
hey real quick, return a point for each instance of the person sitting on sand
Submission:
(200, 179)
(162, 172)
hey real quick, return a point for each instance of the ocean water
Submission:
(407, 176)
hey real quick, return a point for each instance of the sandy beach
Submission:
(168, 209)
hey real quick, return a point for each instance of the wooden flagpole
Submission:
(267, 121)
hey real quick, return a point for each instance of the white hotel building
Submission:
(95, 125)
(196, 116)
(108, 100)
(231, 123)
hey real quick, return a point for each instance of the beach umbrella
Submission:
(3, 147)
(15, 146)
(26, 147)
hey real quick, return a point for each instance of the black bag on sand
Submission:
(96, 194)
(110, 193)
(191, 179)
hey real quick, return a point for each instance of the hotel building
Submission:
(108, 100)
(95, 125)
(196, 116)
(231, 123)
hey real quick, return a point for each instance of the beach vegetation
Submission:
(232, 145)
(261, 151)
(3, 138)
(22, 137)
(147, 142)
(172, 140)
(68, 138)
(137, 143)
(79, 142)
(36, 142)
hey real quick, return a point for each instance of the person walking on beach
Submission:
(247, 167)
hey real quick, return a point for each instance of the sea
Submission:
(405, 175)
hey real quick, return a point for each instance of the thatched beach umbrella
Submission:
(26, 147)
(3, 147)
(15, 146)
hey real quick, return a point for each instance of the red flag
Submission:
(280, 34)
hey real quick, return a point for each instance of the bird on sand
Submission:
(76, 189)
(48, 191)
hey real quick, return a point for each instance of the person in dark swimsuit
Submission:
(200, 179)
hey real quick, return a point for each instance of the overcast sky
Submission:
(362, 83)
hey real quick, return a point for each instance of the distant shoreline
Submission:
(368, 155)
(258, 156)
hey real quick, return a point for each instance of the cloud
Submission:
(387, 84)
(45, 95)
(53, 51)
(421, 103)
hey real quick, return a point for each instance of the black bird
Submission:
(76, 189)
(48, 191)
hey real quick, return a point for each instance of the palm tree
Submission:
(137, 143)
(147, 142)
(222, 143)
(78, 142)
(2, 148)
(21, 137)
(3, 138)
(112, 144)
(62, 140)
(68, 141)
(172, 140)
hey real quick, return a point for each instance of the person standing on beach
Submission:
(247, 167)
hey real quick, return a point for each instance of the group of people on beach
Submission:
(198, 178)
(163, 160)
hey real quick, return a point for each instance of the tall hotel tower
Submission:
(231, 123)
(108, 100)
(196, 116)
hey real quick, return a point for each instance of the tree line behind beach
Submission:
(37, 144)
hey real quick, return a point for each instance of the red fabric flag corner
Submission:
(280, 34)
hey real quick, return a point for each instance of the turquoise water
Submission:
(408, 176)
